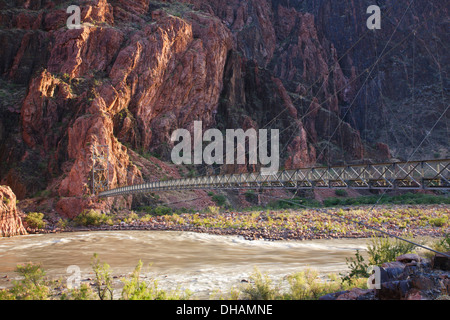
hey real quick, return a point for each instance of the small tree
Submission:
(35, 220)
(32, 286)
(103, 279)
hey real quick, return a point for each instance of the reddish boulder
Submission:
(10, 221)
(409, 259)
(355, 294)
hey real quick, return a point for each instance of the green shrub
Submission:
(440, 245)
(407, 198)
(162, 211)
(386, 250)
(62, 223)
(260, 287)
(306, 285)
(329, 202)
(214, 210)
(35, 220)
(135, 289)
(83, 293)
(219, 199)
(103, 279)
(133, 216)
(341, 192)
(251, 196)
(380, 250)
(438, 222)
(146, 218)
(32, 287)
(147, 209)
(358, 268)
(91, 218)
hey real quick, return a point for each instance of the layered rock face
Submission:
(139, 69)
(10, 221)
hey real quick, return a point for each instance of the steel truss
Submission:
(431, 174)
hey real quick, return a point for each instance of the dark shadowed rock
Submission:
(441, 262)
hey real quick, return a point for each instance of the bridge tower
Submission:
(100, 168)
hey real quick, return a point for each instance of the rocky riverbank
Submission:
(308, 224)
(410, 277)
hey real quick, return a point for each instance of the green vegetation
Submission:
(341, 193)
(91, 218)
(293, 203)
(162, 211)
(6, 200)
(306, 285)
(383, 250)
(103, 279)
(251, 196)
(43, 194)
(441, 245)
(135, 289)
(213, 210)
(260, 288)
(439, 222)
(32, 287)
(303, 285)
(35, 220)
(219, 199)
(311, 223)
(380, 250)
(407, 198)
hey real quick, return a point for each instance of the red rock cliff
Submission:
(139, 69)
(10, 221)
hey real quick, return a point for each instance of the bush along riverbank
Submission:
(404, 275)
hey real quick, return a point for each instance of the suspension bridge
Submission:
(412, 175)
(409, 175)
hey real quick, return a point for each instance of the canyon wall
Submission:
(139, 69)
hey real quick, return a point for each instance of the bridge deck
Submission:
(430, 174)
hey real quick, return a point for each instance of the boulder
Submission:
(421, 282)
(10, 221)
(409, 258)
(356, 294)
(394, 290)
(439, 261)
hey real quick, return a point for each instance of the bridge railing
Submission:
(431, 174)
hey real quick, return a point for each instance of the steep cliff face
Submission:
(139, 69)
(399, 99)
(10, 221)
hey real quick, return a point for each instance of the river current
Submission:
(199, 262)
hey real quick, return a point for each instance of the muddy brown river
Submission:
(202, 263)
